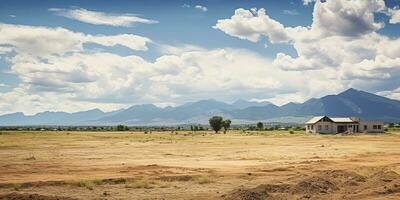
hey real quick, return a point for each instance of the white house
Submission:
(334, 125)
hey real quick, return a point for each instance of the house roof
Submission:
(314, 119)
(342, 119)
(334, 119)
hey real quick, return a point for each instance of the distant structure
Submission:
(331, 125)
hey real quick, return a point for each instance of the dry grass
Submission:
(202, 179)
(88, 184)
(142, 183)
(216, 163)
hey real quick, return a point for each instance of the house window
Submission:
(319, 127)
(377, 127)
(365, 127)
(312, 127)
(326, 127)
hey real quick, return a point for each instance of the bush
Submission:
(122, 128)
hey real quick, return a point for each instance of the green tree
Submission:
(216, 123)
(121, 127)
(226, 124)
(260, 126)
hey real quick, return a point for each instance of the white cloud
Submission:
(201, 8)
(178, 49)
(12, 16)
(57, 73)
(346, 18)
(2, 85)
(290, 12)
(185, 6)
(393, 94)
(131, 41)
(44, 41)
(101, 18)
(286, 62)
(342, 41)
(394, 15)
(251, 25)
(5, 49)
(79, 80)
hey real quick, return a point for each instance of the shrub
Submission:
(202, 179)
(122, 128)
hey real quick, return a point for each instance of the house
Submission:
(334, 125)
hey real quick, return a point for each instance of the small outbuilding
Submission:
(334, 125)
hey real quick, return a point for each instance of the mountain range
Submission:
(348, 103)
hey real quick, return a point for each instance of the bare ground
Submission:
(106, 165)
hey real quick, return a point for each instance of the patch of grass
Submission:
(141, 183)
(88, 184)
(32, 157)
(202, 179)
(17, 186)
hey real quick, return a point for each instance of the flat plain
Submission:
(201, 165)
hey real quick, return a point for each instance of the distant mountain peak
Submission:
(351, 102)
(350, 91)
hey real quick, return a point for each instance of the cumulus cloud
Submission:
(42, 41)
(346, 18)
(178, 49)
(393, 94)
(57, 73)
(201, 8)
(251, 25)
(343, 41)
(80, 80)
(101, 18)
(394, 14)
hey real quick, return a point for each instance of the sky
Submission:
(80, 55)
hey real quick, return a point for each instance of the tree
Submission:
(216, 123)
(260, 125)
(122, 128)
(226, 124)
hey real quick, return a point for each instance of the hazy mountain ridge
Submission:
(348, 103)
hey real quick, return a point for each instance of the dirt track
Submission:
(201, 166)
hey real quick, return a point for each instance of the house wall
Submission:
(325, 127)
(320, 127)
(329, 127)
(371, 126)
(310, 128)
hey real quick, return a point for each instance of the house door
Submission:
(341, 129)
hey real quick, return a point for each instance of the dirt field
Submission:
(134, 165)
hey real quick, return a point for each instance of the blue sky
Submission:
(189, 50)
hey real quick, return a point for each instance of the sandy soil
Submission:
(133, 165)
